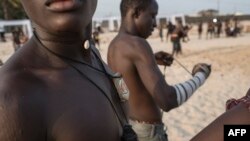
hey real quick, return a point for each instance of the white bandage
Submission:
(186, 89)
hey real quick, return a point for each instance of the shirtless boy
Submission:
(131, 55)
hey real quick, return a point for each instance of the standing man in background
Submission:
(200, 29)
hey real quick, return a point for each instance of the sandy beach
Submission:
(230, 78)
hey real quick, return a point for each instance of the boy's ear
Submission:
(136, 13)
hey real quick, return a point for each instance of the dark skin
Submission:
(42, 98)
(239, 115)
(131, 55)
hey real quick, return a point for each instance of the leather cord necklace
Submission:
(67, 59)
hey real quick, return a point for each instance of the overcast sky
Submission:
(107, 8)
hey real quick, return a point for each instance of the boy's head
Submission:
(141, 14)
(138, 5)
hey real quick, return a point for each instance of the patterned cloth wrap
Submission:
(234, 102)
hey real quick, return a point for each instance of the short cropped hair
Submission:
(138, 5)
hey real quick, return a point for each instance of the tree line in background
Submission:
(11, 9)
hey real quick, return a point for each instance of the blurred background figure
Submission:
(19, 38)
(161, 32)
(22, 37)
(2, 33)
(99, 28)
(200, 29)
(218, 28)
(176, 37)
(170, 29)
(210, 29)
(96, 37)
(186, 29)
(232, 27)
(16, 39)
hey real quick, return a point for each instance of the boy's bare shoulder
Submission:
(20, 99)
(129, 41)
(17, 82)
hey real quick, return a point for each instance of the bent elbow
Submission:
(166, 98)
(169, 102)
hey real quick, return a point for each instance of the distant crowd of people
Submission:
(232, 28)
(178, 32)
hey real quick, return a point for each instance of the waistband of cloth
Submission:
(145, 123)
(146, 129)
